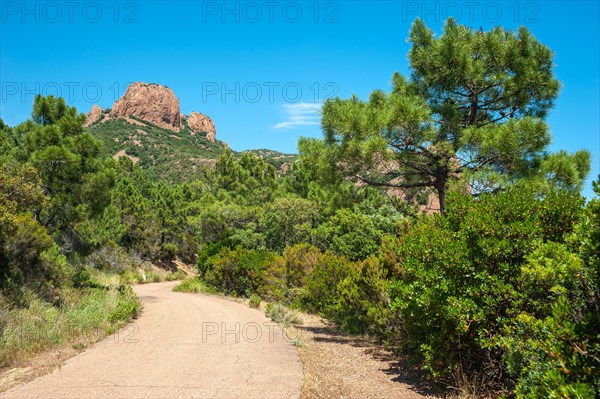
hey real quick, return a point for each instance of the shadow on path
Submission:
(394, 365)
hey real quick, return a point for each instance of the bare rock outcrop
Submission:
(94, 116)
(151, 102)
(201, 123)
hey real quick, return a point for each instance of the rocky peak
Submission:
(201, 123)
(151, 102)
(94, 115)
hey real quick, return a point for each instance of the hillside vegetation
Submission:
(496, 294)
(171, 156)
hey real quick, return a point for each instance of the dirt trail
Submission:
(182, 346)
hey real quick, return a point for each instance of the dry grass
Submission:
(85, 316)
(282, 315)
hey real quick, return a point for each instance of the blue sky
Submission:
(260, 69)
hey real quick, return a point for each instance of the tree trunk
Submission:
(442, 198)
(440, 187)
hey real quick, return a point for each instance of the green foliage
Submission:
(556, 353)
(127, 277)
(254, 301)
(288, 221)
(247, 174)
(50, 110)
(179, 275)
(68, 163)
(29, 258)
(349, 234)
(321, 292)
(193, 285)
(128, 306)
(463, 281)
(237, 271)
(363, 303)
(205, 256)
(147, 217)
(284, 276)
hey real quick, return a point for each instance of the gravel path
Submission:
(181, 346)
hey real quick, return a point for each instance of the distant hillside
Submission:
(175, 156)
(275, 158)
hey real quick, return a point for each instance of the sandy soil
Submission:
(338, 365)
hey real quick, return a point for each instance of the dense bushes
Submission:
(285, 275)
(237, 271)
(321, 289)
(351, 234)
(476, 290)
(363, 304)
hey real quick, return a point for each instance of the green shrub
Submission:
(193, 285)
(128, 277)
(320, 293)
(274, 284)
(208, 251)
(153, 277)
(363, 304)
(237, 271)
(168, 252)
(83, 278)
(178, 275)
(555, 352)
(254, 301)
(285, 275)
(128, 305)
(350, 234)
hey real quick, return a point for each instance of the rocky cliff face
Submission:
(201, 123)
(151, 102)
(94, 115)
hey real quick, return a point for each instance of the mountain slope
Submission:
(146, 125)
(175, 156)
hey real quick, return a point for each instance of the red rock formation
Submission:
(94, 115)
(151, 102)
(201, 123)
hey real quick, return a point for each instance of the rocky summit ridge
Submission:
(156, 104)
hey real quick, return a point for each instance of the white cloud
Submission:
(300, 114)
